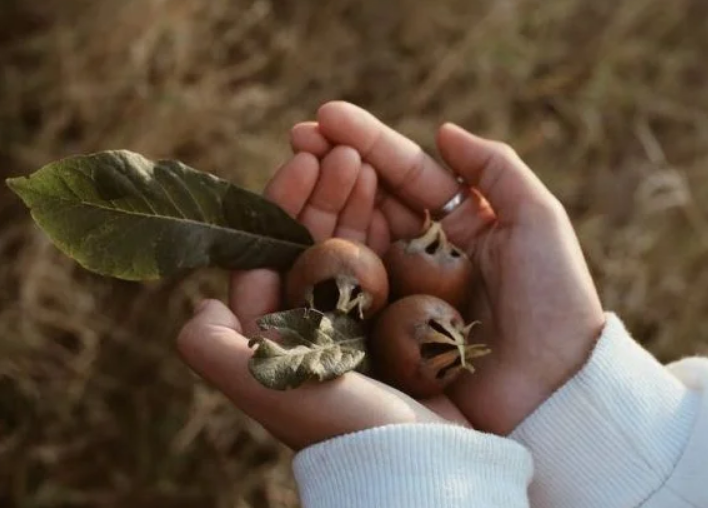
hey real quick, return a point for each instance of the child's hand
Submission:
(334, 197)
(540, 310)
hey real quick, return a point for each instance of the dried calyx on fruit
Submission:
(419, 345)
(338, 274)
(429, 264)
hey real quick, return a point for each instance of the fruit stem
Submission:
(427, 222)
(442, 360)
(432, 233)
(346, 303)
(467, 353)
(470, 351)
(456, 337)
(467, 329)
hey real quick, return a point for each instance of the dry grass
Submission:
(607, 100)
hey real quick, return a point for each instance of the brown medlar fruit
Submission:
(338, 274)
(419, 345)
(430, 265)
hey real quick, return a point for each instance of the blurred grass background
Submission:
(608, 102)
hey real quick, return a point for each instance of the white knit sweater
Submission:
(625, 432)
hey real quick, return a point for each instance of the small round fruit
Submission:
(429, 265)
(419, 346)
(338, 274)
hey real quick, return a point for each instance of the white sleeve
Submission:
(625, 432)
(414, 466)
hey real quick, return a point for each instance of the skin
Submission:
(540, 310)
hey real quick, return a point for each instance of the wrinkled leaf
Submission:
(311, 346)
(120, 214)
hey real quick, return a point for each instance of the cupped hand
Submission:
(334, 196)
(539, 308)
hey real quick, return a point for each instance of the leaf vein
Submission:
(191, 195)
(168, 195)
(156, 215)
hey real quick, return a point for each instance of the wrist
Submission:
(574, 348)
(614, 431)
(526, 387)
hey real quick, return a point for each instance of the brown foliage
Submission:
(608, 101)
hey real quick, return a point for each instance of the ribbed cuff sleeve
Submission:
(414, 466)
(612, 435)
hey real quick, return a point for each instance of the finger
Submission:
(306, 137)
(338, 175)
(293, 183)
(402, 221)
(290, 188)
(495, 169)
(407, 170)
(252, 294)
(378, 236)
(355, 218)
(213, 347)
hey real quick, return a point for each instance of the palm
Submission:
(354, 177)
(530, 294)
(334, 196)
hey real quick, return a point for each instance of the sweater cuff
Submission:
(614, 433)
(414, 465)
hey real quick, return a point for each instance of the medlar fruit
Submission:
(338, 274)
(431, 265)
(419, 346)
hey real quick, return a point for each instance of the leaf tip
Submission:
(19, 186)
(14, 183)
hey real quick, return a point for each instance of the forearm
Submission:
(414, 466)
(624, 432)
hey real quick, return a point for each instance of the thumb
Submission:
(212, 345)
(496, 171)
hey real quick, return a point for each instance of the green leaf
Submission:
(120, 214)
(311, 346)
